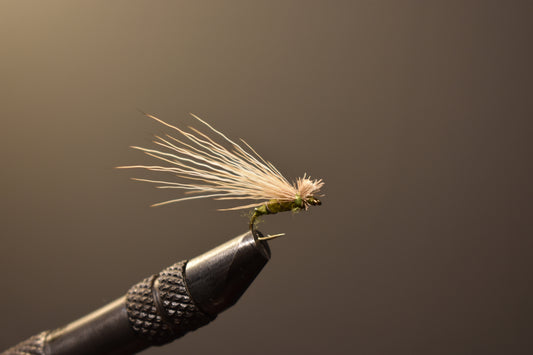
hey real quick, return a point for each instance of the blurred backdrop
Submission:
(416, 114)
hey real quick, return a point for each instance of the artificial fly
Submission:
(207, 169)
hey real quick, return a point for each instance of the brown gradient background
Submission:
(415, 113)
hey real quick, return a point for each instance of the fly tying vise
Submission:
(211, 170)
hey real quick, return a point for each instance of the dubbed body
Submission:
(274, 206)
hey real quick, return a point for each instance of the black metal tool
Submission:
(162, 307)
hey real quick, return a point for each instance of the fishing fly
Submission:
(206, 168)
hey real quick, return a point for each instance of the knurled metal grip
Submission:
(160, 308)
(31, 346)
